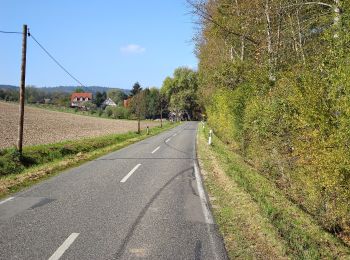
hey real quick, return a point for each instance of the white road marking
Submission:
(156, 149)
(66, 244)
(6, 200)
(130, 173)
(167, 140)
(205, 208)
(175, 134)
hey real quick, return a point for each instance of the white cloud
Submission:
(132, 49)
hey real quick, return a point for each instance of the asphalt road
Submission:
(145, 201)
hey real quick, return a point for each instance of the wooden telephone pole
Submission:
(22, 89)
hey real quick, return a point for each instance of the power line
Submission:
(10, 32)
(59, 64)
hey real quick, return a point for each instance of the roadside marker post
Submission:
(210, 137)
(147, 130)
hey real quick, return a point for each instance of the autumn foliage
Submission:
(274, 82)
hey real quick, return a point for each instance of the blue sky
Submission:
(106, 43)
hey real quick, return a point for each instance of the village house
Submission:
(78, 99)
(109, 102)
(126, 102)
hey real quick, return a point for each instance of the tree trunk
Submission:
(337, 17)
(269, 42)
(242, 48)
(139, 124)
(161, 117)
(301, 47)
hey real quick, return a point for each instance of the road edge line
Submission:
(203, 198)
(6, 200)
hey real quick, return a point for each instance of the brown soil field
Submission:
(45, 126)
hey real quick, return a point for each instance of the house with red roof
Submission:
(78, 99)
(126, 102)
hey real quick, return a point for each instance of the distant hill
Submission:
(8, 87)
(70, 89)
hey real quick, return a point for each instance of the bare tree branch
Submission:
(203, 14)
(309, 3)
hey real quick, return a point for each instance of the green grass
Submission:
(42, 161)
(256, 219)
(72, 111)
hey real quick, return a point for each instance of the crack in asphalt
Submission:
(198, 250)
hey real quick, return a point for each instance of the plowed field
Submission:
(45, 126)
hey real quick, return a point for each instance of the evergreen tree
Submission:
(100, 98)
(136, 89)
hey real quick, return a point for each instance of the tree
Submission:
(177, 105)
(273, 80)
(181, 91)
(9, 94)
(79, 90)
(135, 89)
(163, 103)
(152, 100)
(100, 98)
(138, 107)
(167, 87)
(117, 96)
(61, 99)
(32, 95)
(90, 106)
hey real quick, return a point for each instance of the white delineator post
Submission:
(210, 138)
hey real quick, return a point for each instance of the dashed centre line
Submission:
(66, 244)
(130, 173)
(175, 134)
(167, 140)
(156, 149)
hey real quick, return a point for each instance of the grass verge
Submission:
(42, 161)
(255, 218)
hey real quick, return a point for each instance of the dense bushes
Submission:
(118, 112)
(297, 134)
(283, 103)
(300, 236)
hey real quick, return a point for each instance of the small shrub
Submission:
(109, 111)
(10, 163)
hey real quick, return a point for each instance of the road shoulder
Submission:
(255, 220)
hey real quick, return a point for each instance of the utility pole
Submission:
(22, 90)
